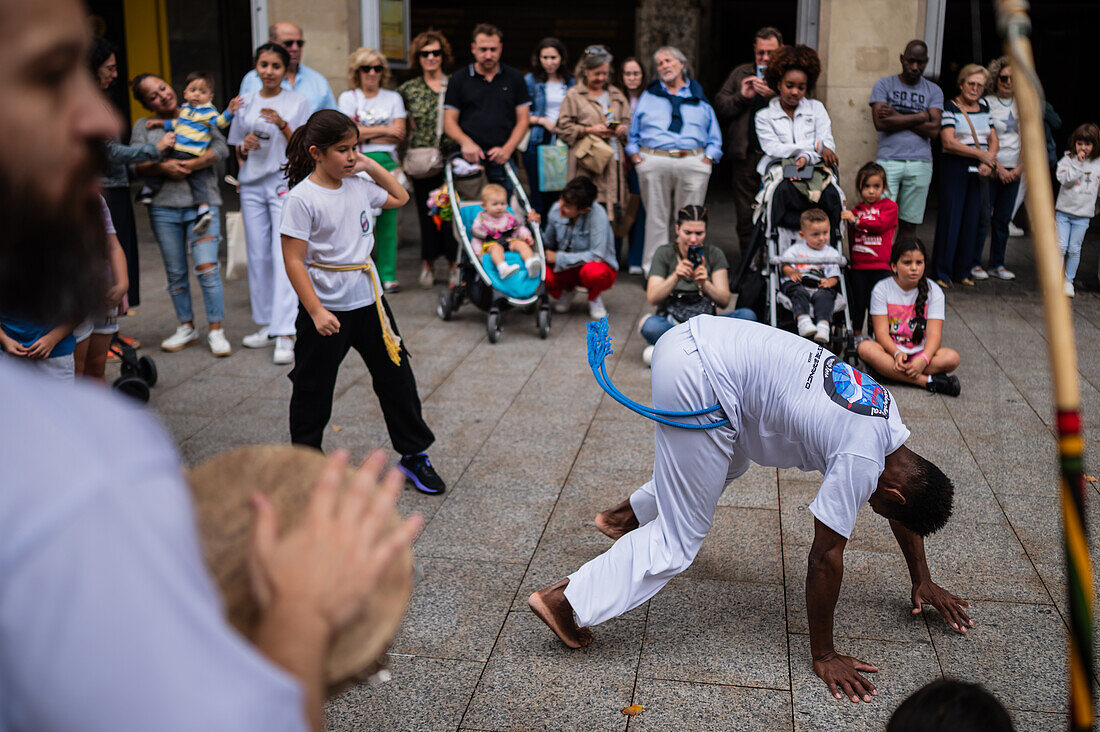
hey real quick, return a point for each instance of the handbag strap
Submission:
(973, 132)
(439, 113)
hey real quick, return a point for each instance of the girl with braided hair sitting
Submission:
(907, 316)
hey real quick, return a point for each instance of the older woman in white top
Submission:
(380, 115)
(798, 129)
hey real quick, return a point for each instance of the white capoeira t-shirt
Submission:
(819, 414)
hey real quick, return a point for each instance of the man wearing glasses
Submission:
(487, 106)
(906, 110)
(299, 77)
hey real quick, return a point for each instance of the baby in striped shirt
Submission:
(194, 131)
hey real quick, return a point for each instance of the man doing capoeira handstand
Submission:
(790, 403)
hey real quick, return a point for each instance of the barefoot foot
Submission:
(617, 521)
(551, 605)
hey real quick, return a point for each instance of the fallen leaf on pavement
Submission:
(336, 428)
(633, 710)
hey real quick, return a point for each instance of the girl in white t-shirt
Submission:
(907, 313)
(260, 131)
(328, 236)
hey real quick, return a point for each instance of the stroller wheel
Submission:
(492, 326)
(128, 367)
(445, 309)
(543, 322)
(147, 370)
(133, 387)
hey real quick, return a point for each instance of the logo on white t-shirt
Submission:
(854, 390)
(364, 222)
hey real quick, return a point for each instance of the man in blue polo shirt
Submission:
(299, 77)
(487, 106)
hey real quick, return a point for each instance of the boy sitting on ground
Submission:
(194, 130)
(809, 286)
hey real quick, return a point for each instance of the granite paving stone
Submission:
(670, 705)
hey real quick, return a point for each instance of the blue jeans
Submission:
(637, 230)
(174, 230)
(656, 326)
(1071, 233)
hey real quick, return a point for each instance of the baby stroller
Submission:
(763, 259)
(138, 374)
(479, 282)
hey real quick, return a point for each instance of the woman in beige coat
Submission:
(596, 108)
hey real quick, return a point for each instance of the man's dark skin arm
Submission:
(925, 591)
(888, 119)
(823, 577)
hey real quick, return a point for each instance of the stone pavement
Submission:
(532, 450)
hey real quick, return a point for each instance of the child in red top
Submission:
(871, 227)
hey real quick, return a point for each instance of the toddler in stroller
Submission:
(807, 283)
(495, 228)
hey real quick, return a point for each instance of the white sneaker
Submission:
(426, 279)
(1002, 273)
(259, 339)
(391, 286)
(533, 264)
(284, 350)
(1014, 230)
(806, 327)
(563, 303)
(635, 270)
(822, 334)
(219, 344)
(507, 269)
(647, 355)
(596, 310)
(184, 336)
(1069, 290)
(978, 273)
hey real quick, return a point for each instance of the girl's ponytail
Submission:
(919, 321)
(325, 128)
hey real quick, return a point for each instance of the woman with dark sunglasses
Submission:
(429, 53)
(380, 116)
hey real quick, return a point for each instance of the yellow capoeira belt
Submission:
(389, 333)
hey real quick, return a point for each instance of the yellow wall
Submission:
(146, 44)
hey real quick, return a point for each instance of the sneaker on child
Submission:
(219, 344)
(822, 334)
(947, 384)
(1070, 292)
(806, 327)
(534, 265)
(596, 310)
(647, 355)
(185, 335)
(426, 279)
(202, 223)
(419, 471)
(259, 339)
(507, 269)
(284, 350)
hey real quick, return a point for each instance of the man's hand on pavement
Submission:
(841, 674)
(947, 604)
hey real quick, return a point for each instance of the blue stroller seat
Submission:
(520, 285)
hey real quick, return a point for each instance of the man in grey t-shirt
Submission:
(906, 110)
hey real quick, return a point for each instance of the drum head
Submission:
(221, 487)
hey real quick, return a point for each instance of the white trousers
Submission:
(667, 185)
(274, 302)
(676, 507)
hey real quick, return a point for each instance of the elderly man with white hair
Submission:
(674, 141)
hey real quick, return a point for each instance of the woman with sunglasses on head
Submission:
(429, 53)
(380, 116)
(260, 131)
(1007, 183)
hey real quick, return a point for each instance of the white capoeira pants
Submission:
(676, 507)
(274, 302)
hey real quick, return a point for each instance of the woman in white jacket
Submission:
(798, 130)
(1079, 173)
